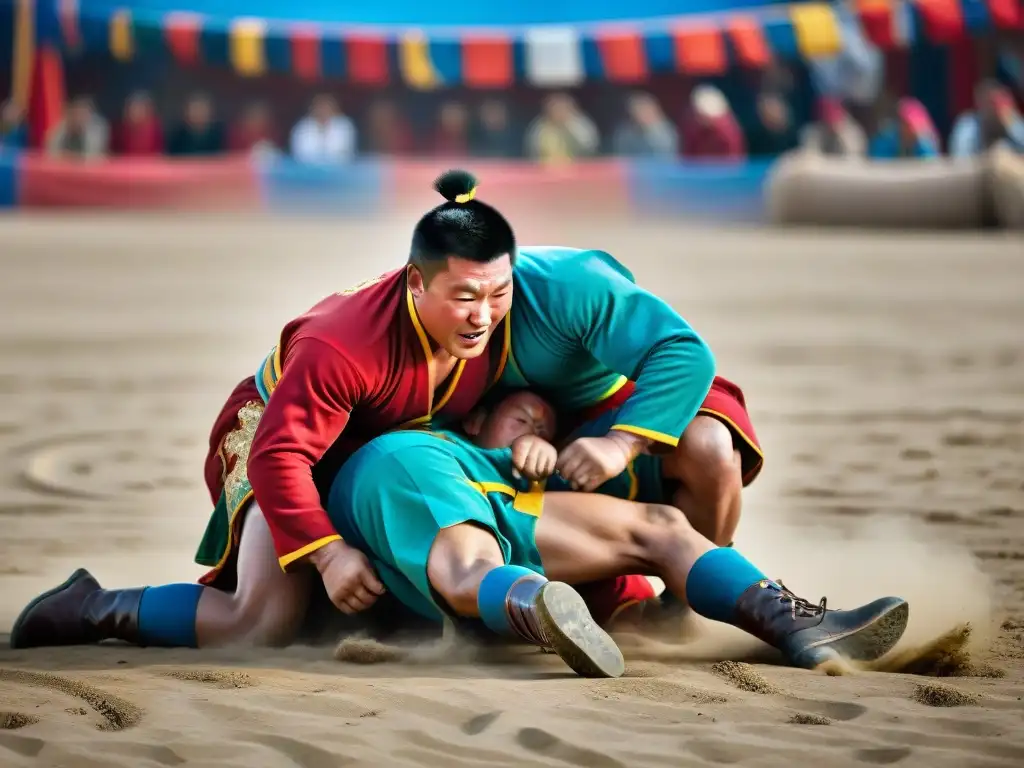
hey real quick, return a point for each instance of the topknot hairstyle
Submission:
(462, 226)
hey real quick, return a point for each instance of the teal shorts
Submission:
(397, 492)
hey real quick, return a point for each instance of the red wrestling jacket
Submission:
(350, 369)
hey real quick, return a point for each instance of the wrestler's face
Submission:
(462, 305)
(522, 413)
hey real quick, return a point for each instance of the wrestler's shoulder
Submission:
(559, 265)
(356, 320)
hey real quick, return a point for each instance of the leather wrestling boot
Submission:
(552, 615)
(809, 635)
(78, 612)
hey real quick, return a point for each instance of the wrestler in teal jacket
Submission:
(581, 328)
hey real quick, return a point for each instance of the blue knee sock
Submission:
(167, 615)
(671, 601)
(494, 589)
(716, 581)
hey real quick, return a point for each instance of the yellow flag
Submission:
(414, 60)
(247, 52)
(24, 53)
(817, 30)
(122, 41)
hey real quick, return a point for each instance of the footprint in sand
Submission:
(882, 755)
(723, 752)
(220, 678)
(545, 743)
(96, 465)
(477, 725)
(117, 713)
(26, 746)
(661, 691)
(841, 711)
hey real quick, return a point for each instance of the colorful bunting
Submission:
(943, 20)
(817, 30)
(700, 50)
(248, 56)
(623, 55)
(878, 22)
(122, 36)
(1007, 14)
(748, 38)
(305, 49)
(553, 57)
(368, 60)
(488, 62)
(545, 56)
(414, 60)
(182, 35)
(67, 17)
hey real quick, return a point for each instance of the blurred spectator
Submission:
(710, 129)
(494, 135)
(911, 133)
(646, 131)
(255, 132)
(82, 133)
(139, 133)
(387, 132)
(836, 133)
(198, 134)
(451, 139)
(12, 126)
(995, 118)
(775, 131)
(561, 133)
(325, 135)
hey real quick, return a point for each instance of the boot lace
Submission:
(799, 607)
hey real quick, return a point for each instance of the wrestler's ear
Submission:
(416, 280)
(475, 422)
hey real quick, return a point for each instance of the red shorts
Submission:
(725, 402)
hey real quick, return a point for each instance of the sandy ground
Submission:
(886, 379)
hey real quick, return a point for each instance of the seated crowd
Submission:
(707, 128)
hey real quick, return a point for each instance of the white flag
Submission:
(553, 57)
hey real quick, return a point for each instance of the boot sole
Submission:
(15, 629)
(868, 643)
(574, 635)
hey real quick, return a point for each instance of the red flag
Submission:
(182, 33)
(367, 60)
(623, 55)
(943, 20)
(487, 62)
(305, 48)
(1007, 14)
(748, 38)
(878, 22)
(700, 50)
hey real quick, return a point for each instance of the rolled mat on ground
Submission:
(1006, 175)
(809, 188)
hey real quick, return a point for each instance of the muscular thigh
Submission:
(583, 537)
(263, 587)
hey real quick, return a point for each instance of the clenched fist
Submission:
(534, 457)
(348, 577)
(589, 462)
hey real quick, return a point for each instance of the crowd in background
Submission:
(701, 123)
